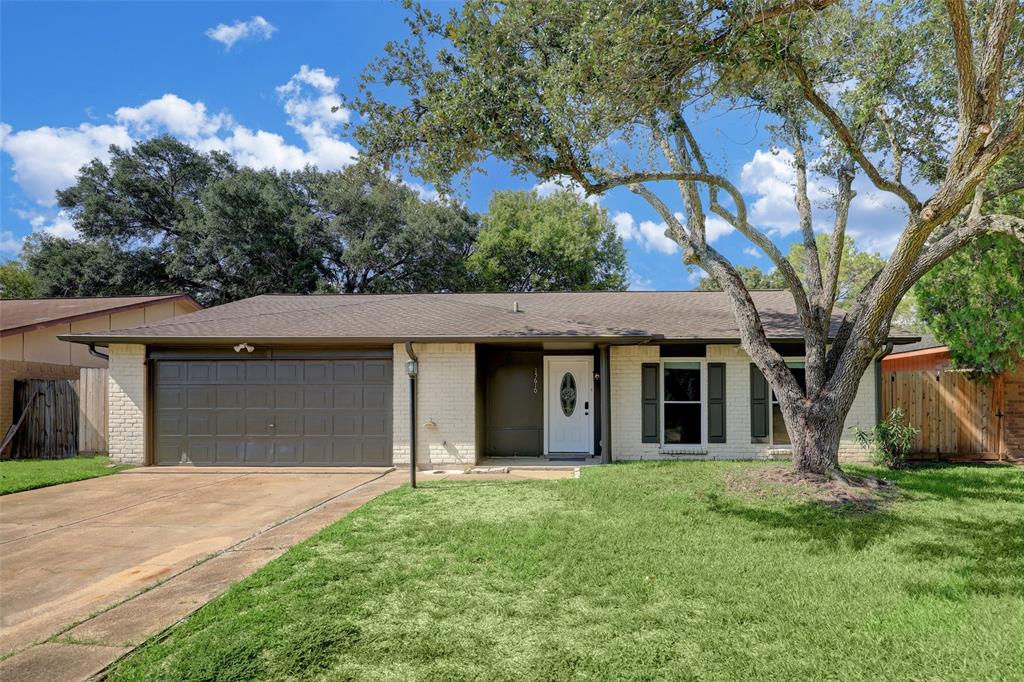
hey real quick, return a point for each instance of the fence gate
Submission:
(92, 411)
(956, 415)
(50, 428)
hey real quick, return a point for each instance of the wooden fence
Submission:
(50, 427)
(956, 415)
(92, 411)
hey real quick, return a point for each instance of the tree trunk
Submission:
(816, 442)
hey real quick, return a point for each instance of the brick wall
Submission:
(126, 386)
(626, 362)
(446, 405)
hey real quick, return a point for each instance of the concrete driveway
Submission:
(75, 553)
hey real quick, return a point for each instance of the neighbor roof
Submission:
(927, 342)
(24, 314)
(679, 315)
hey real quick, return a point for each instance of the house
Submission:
(958, 416)
(321, 380)
(30, 349)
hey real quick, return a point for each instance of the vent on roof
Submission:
(515, 307)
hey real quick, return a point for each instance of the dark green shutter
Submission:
(760, 402)
(649, 411)
(716, 402)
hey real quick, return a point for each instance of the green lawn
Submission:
(25, 474)
(634, 572)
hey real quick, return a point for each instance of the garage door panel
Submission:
(348, 371)
(200, 424)
(376, 451)
(376, 397)
(375, 425)
(202, 372)
(259, 396)
(202, 397)
(230, 397)
(377, 372)
(273, 412)
(348, 397)
(318, 371)
(288, 397)
(318, 398)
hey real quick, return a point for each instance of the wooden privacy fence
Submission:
(956, 415)
(49, 429)
(92, 411)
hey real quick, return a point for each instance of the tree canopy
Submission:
(905, 93)
(16, 281)
(554, 243)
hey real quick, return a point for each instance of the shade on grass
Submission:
(25, 474)
(634, 572)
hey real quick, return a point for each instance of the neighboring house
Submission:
(321, 380)
(957, 415)
(30, 349)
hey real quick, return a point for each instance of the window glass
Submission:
(780, 436)
(683, 423)
(682, 408)
(682, 381)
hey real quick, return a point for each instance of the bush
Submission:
(890, 441)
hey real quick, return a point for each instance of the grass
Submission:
(26, 474)
(651, 571)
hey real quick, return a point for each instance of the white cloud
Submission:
(256, 28)
(564, 184)
(47, 159)
(753, 252)
(9, 243)
(650, 236)
(173, 115)
(638, 283)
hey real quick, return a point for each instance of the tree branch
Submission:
(959, 237)
(803, 205)
(835, 256)
(963, 44)
(854, 148)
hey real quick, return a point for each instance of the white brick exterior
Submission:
(446, 406)
(626, 362)
(126, 388)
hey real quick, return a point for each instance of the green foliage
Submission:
(890, 441)
(645, 571)
(554, 243)
(162, 217)
(973, 303)
(16, 281)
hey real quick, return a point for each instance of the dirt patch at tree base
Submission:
(856, 493)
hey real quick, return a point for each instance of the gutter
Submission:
(412, 369)
(96, 354)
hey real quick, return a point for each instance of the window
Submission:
(779, 434)
(682, 406)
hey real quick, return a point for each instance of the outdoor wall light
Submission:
(412, 368)
(244, 346)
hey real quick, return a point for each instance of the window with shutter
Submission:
(716, 402)
(759, 406)
(649, 409)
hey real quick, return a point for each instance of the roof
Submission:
(367, 318)
(927, 342)
(25, 314)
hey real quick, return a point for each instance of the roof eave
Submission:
(170, 298)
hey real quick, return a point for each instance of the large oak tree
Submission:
(907, 93)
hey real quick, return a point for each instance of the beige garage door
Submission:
(273, 412)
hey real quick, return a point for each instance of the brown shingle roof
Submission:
(23, 314)
(705, 315)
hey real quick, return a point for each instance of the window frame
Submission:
(791, 362)
(702, 364)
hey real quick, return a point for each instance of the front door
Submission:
(569, 393)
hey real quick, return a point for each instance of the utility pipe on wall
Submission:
(412, 369)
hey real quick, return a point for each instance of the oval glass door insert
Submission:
(567, 393)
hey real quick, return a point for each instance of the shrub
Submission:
(890, 441)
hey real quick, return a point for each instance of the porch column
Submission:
(606, 404)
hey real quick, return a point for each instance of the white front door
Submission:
(568, 405)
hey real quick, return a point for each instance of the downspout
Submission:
(96, 354)
(606, 391)
(412, 369)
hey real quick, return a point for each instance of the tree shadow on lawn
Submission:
(981, 549)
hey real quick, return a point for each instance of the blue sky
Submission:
(257, 80)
